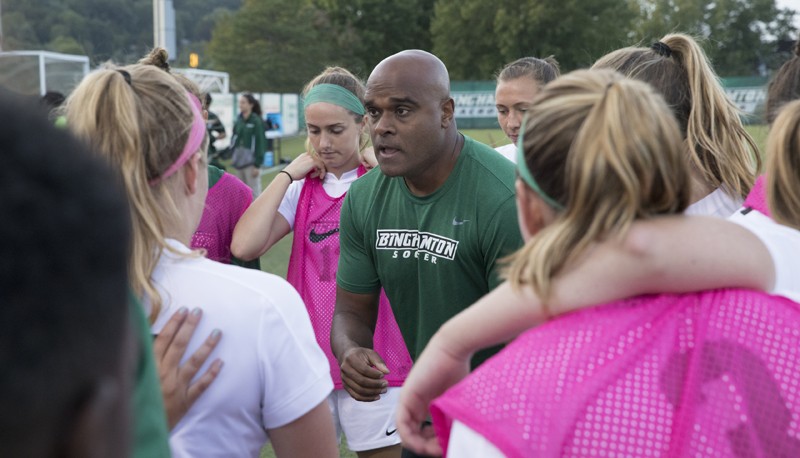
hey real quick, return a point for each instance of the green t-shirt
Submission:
(150, 435)
(433, 255)
(250, 133)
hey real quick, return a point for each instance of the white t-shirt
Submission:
(466, 443)
(719, 203)
(508, 151)
(783, 244)
(333, 186)
(274, 372)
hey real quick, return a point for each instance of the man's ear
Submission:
(94, 427)
(191, 172)
(448, 112)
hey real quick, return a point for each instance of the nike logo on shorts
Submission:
(389, 432)
(316, 238)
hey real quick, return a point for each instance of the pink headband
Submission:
(196, 137)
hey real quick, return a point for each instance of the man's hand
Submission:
(169, 347)
(363, 373)
(255, 172)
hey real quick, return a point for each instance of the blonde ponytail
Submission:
(720, 147)
(609, 151)
(139, 118)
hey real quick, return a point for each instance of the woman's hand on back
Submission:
(169, 346)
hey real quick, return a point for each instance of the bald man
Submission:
(429, 227)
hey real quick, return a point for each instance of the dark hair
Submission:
(540, 70)
(208, 100)
(252, 100)
(785, 87)
(53, 99)
(64, 236)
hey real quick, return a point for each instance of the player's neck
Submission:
(348, 167)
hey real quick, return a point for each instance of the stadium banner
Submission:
(475, 108)
(749, 93)
(475, 105)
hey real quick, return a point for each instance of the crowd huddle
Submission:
(621, 279)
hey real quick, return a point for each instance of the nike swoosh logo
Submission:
(459, 223)
(390, 432)
(316, 238)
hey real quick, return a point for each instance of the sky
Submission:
(793, 4)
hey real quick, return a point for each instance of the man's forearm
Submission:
(349, 330)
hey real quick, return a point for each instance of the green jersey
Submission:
(150, 432)
(433, 255)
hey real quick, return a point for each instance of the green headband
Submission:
(525, 174)
(335, 94)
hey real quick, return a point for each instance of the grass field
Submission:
(276, 260)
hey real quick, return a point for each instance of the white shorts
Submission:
(366, 425)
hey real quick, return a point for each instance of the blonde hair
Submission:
(720, 147)
(139, 117)
(608, 150)
(783, 166)
(341, 77)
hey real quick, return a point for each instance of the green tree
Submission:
(475, 38)
(66, 45)
(464, 37)
(367, 31)
(739, 36)
(119, 30)
(271, 45)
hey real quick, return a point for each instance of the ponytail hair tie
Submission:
(661, 49)
(125, 75)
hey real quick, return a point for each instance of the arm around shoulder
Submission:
(672, 254)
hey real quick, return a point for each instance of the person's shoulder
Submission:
(233, 183)
(484, 163)
(508, 151)
(234, 279)
(370, 181)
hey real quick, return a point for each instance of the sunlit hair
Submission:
(540, 70)
(344, 78)
(720, 147)
(141, 126)
(609, 151)
(785, 86)
(783, 166)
